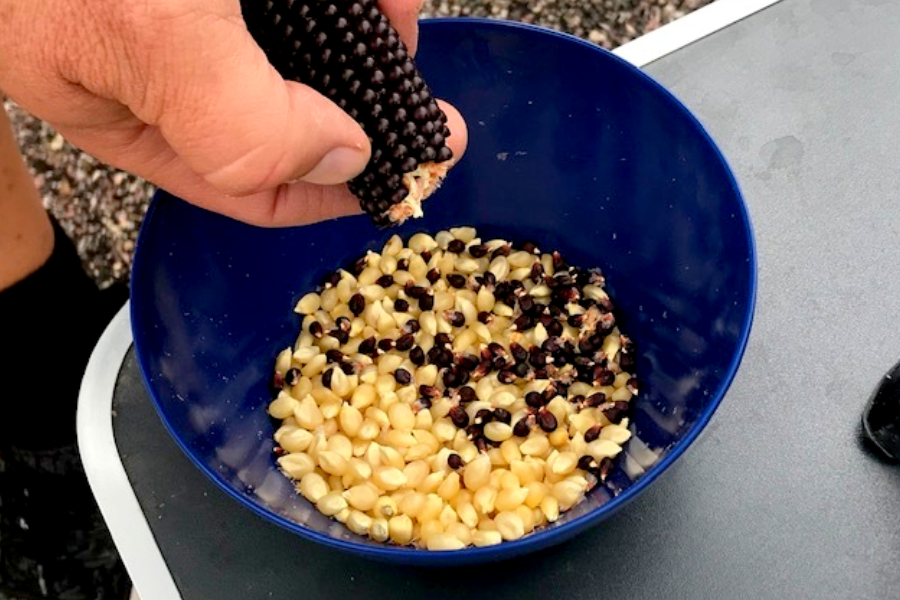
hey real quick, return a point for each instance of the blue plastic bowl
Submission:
(570, 146)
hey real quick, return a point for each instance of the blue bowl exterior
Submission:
(570, 146)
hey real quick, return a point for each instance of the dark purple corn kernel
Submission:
(554, 329)
(593, 433)
(490, 280)
(502, 415)
(450, 377)
(442, 339)
(575, 321)
(603, 376)
(277, 381)
(595, 400)
(626, 361)
(523, 323)
(551, 345)
(506, 376)
(577, 400)
(402, 376)
(422, 403)
(478, 251)
(426, 302)
(402, 264)
(633, 386)
(467, 394)
(401, 305)
(615, 411)
(455, 461)
(426, 255)
(503, 250)
(587, 463)
(537, 358)
(485, 317)
(316, 329)
(482, 444)
(348, 368)
(292, 377)
(521, 428)
(537, 272)
(326, 377)
(357, 304)
(519, 353)
(429, 391)
(459, 417)
(385, 281)
(415, 291)
(405, 342)
(334, 356)
(605, 468)
(521, 370)
(547, 421)
(455, 318)
(534, 399)
(386, 344)
(456, 280)
(474, 431)
(417, 356)
(483, 417)
(469, 362)
(332, 279)
(433, 275)
(411, 326)
(343, 323)
(559, 262)
(526, 304)
(368, 347)
(340, 335)
(456, 246)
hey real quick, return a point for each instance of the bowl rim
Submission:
(539, 538)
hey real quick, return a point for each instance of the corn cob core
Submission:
(348, 51)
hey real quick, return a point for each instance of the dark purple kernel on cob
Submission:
(349, 52)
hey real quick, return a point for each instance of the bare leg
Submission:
(26, 236)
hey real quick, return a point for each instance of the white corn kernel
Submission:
(379, 530)
(401, 417)
(308, 304)
(313, 486)
(331, 503)
(332, 462)
(282, 406)
(295, 440)
(497, 431)
(601, 449)
(477, 473)
(443, 541)
(449, 487)
(510, 525)
(510, 499)
(535, 445)
(297, 464)
(484, 500)
(359, 522)
(400, 529)
(308, 414)
(388, 478)
(483, 538)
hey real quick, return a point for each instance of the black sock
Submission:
(53, 542)
(49, 324)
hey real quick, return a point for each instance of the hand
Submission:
(177, 92)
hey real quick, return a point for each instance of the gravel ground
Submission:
(101, 208)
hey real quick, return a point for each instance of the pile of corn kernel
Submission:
(453, 391)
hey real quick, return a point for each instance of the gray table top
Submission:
(778, 499)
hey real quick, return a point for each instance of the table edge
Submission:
(688, 29)
(104, 469)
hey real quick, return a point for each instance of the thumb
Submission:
(230, 116)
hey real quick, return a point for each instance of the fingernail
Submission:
(338, 166)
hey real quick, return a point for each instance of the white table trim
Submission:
(105, 472)
(96, 441)
(688, 29)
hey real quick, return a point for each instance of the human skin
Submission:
(177, 92)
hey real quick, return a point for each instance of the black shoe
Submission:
(53, 541)
(881, 418)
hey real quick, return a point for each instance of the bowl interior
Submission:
(570, 147)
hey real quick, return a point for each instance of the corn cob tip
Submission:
(421, 183)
